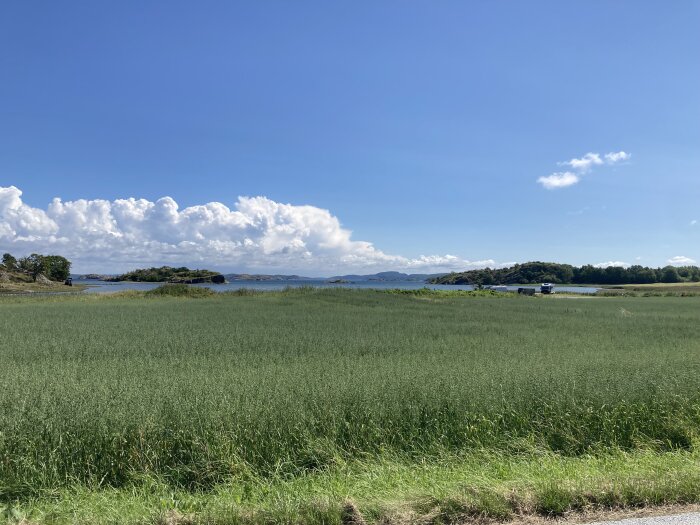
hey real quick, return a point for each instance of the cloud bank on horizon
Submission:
(257, 234)
(580, 167)
(681, 260)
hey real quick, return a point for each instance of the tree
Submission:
(56, 268)
(640, 275)
(670, 275)
(9, 262)
(33, 265)
(53, 267)
(615, 275)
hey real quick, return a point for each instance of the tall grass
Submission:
(179, 290)
(107, 391)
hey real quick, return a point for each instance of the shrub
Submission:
(180, 290)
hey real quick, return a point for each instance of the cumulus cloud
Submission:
(608, 264)
(559, 180)
(20, 221)
(616, 156)
(580, 166)
(256, 234)
(681, 260)
(585, 163)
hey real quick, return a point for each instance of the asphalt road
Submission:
(679, 519)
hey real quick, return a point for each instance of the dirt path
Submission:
(666, 515)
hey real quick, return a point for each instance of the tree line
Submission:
(541, 272)
(54, 267)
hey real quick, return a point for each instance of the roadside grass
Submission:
(482, 486)
(252, 407)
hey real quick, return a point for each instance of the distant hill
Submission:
(265, 277)
(167, 274)
(381, 276)
(390, 276)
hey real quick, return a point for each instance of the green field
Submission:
(279, 407)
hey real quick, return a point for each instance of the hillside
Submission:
(538, 272)
(18, 282)
(168, 274)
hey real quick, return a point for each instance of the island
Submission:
(94, 277)
(168, 274)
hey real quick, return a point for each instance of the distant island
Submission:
(168, 274)
(381, 276)
(389, 277)
(94, 277)
(545, 272)
(265, 277)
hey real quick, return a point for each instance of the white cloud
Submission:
(21, 221)
(585, 163)
(608, 264)
(559, 180)
(616, 156)
(256, 234)
(693, 222)
(681, 260)
(580, 166)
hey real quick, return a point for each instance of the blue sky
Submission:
(420, 127)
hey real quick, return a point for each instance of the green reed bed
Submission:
(233, 393)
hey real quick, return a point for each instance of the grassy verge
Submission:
(476, 487)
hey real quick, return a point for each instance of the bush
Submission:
(180, 290)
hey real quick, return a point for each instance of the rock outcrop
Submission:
(42, 279)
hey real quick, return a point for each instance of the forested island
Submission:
(540, 272)
(168, 274)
